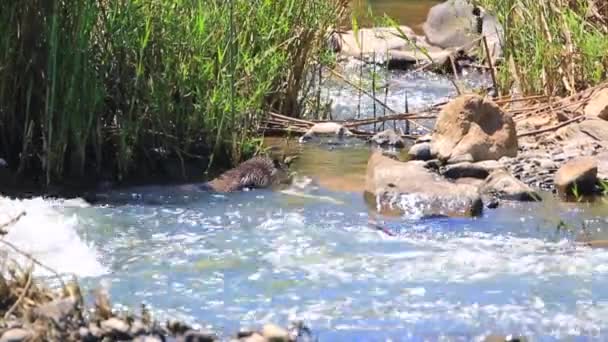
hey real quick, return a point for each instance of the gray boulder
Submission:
(503, 185)
(411, 188)
(459, 24)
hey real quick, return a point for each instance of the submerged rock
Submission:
(411, 187)
(503, 185)
(472, 127)
(388, 138)
(597, 107)
(579, 174)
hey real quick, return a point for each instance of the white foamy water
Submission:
(50, 235)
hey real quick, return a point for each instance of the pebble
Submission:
(137, 328)
(115, 327)
(255, 337)
(275, 333)
(16, 335)
(198, 336)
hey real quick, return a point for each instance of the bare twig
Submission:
(28, 283)
(34, 260)
(552, 128)
(11, 222)
(491, 65)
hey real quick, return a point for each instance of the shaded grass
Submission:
(92, 86)
(554, 47)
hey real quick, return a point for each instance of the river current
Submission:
(312, 252)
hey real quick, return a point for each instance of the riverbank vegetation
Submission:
(91, 87)
(553, 47)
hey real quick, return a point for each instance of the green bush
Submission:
(91, 85)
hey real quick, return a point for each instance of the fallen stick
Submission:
(363, 91)
(552, 128)
(11, 222)
(396, 117)
(284, 117)
(491, 65)
(28, 283)
(34, 260)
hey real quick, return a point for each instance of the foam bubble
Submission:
(50, 236)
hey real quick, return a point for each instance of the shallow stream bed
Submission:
(243, 259)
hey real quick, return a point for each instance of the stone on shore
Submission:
(274, 333)
(598, 105)
(471, 128)
(16, 335)
(388, 138)
(479, 170)
(415, 190)
(420, 151)
(579, 174)
(503, 185)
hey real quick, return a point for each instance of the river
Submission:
(244, 259)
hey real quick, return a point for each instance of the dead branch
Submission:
(552, 128)
(11, 222)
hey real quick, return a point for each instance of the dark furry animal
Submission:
(257, 172)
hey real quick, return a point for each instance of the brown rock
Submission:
(274, 333)
(472, 126)
(580, 172)
(502, 184)
(56, 310)
(16, 335)
(598, 105)
(255, 337)
(387, 180)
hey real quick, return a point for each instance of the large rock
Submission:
(388, 45)
(473, 128)
(579, 174)
(597, 107)
(415, 190)
(459, 24)
(503, 185)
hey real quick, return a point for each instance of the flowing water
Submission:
(310, 253)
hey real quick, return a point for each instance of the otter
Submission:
(257, 172)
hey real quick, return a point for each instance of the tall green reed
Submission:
(105, 85)
(554, 47)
